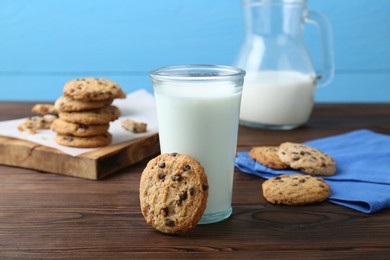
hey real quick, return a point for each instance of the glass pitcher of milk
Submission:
(281, 80)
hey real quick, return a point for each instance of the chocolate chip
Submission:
(161, 176)
(191, 191)
(176, 177)
(174, 154)
(187, 168)
(302, 180)
(161, 165)
(165, 211)
(83, 126)
(72, 90)
(169, 222)
(205, 186)
(183, 195)
(179, 202)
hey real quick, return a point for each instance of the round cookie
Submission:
(44, 109)
(102, 115)
(295, 189)
(67, 104)
(173, 193)
(306, 159)
(267, 156)
(93, 89)
(68, 128)
(84, 142)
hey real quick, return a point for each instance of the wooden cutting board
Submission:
(93, 165)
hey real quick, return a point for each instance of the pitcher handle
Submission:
(321, 22)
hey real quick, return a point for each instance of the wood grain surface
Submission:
(45, 216)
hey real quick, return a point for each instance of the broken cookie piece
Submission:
(134, 126)
(33, 124)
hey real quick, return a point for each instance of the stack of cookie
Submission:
(295, 189)
(85, 112)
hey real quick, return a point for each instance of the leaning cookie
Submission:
(67, 104)
(93, 89)
(306, 159)
(295, 189)
(173, 193)
(267, 156)
(84, 142)
(102, 115)
(68, 128)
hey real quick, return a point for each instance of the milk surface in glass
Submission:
(202, 121)
(277, 98)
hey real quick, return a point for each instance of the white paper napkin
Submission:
(139, 106)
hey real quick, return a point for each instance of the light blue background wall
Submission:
(44, 43)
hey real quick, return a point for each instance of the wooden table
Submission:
(50, 216)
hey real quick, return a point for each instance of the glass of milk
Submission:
(198, 109)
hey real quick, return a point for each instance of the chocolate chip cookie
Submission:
(44, 109)
(68, 104)
(306, 159)
(102, 115)
(295, 189)
(68, 128)
(84, 142)
(173, 193)
(93, 89)
(267, 156)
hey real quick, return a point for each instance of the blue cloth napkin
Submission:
(362, 179)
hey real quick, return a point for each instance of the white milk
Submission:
(203, 125)
(277, 98)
